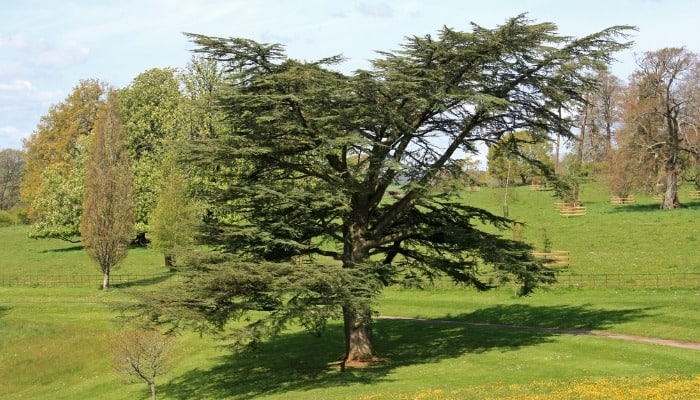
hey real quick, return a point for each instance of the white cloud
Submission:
(13, 41)
(17, 85)
(11, 137)
(59, 56)
(24, 90)
(381, 10)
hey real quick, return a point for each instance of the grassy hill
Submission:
(55, 340)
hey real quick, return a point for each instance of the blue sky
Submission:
(47, 46)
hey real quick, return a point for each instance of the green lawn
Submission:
(55, 341)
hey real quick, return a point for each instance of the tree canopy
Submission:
(300, 230)
(107, 221)
(52, 183)
(660, 118)
(519, 155)
(151, 108)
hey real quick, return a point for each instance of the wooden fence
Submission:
(569, 210)
(554, 258)
(622, 200)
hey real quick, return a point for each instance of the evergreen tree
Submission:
(299, 219)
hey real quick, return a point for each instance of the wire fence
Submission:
(565, 279)
(33, 280)
(641, 280)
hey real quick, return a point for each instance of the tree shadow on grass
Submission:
(692, 204)
(636, 208)
(4, 310)
(147, 281)
(63, 249)
(299, 361)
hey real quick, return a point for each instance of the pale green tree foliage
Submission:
(58, 205)
(107, 222)
(521, 155)
(201, 81)
(152, 113)
(173, 221)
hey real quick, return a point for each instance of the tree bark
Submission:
(105, 280)
(152, 385)
(359, 348)
(671, 201)
(170, 260)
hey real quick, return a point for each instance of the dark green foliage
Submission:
(297, 188)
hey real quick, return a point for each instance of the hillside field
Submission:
(641, 269)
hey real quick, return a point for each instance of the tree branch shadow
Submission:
(63, 249)
(299, 361)
(153, 280)
(652, 207)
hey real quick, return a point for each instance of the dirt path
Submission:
(685, 344)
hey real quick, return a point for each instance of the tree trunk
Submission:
(671, 196)
(170, 260)
(105, 280)
(359, 349)
(152, 385)
(357, 318)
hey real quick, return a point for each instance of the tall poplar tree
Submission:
(300, 221)
(107, 222)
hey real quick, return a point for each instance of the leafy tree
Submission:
(11, 167)
(201, 80)
(174, 219)
(59, 205)
(302, 232)
(151, 110)
(520, 154)
(107, 222)
(143, 355)
(59, 143)
(660, 115)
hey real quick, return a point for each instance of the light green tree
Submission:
(59, 205)
(174, 220)
(152, 112)
(521, 155)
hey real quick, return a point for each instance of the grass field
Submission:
(55, 340)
